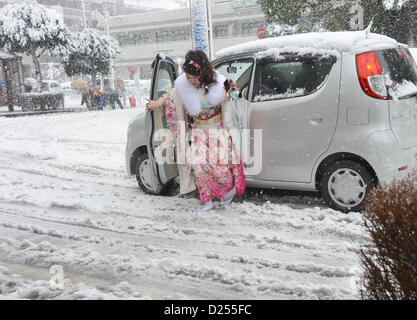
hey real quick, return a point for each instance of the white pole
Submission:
(112, 65)
(84, 19)
(192, 24)
(210, 31)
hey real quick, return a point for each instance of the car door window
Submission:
(290, 78)
(165, 80)
(239, 70)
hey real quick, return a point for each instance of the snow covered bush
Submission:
(92, 53)
(42, 101)
(390, 261)
(30, 28)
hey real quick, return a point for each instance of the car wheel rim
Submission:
(145, 174)
(347, 188)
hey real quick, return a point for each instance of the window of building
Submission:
(134, 38)
(173, 35)
(123, 39)
(143, 37)
(250, 28)
(221, 31)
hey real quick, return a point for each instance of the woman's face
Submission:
(194, 80)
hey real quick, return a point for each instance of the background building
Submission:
(143, 35)
(72, 10)
(143, 30)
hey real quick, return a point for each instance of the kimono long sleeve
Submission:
(176, 116)
(171, 113)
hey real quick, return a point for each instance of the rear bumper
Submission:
(386, 157)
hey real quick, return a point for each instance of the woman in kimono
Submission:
(195, 102)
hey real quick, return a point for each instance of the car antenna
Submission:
(368, 29)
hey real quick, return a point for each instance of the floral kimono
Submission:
(209, 161)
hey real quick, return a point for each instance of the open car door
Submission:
(163, 80)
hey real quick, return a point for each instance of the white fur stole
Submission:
(190, 96)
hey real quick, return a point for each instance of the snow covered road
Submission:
(65, 200)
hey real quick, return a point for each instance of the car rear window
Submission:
(398, 65)
(292, 77)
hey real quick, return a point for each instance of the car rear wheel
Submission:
(345, 184)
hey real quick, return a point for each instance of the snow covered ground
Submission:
(65, 200)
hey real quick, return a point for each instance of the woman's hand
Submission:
(152, 105)
(233, 86)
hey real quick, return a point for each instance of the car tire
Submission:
(345, 184)
(143, 176)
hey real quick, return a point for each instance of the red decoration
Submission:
(132, 70)
(261, 33)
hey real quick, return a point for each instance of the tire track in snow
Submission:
(41, 173)
(29, 282)
(206, 236)
(247, 219)
(252, 282)
(239, 260)
(233, 285)
(126, 266)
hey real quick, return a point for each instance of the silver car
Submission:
(338, 113)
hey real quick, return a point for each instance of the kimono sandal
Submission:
(205, 209)
(228, 198)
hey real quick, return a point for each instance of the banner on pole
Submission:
(200, 22)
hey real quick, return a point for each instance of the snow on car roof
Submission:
(347, 41)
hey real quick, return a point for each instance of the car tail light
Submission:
(370, 75)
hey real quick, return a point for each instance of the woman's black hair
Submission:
(197, 64)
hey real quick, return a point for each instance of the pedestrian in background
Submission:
(115, 98)
(83, 87)
(98, 98)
